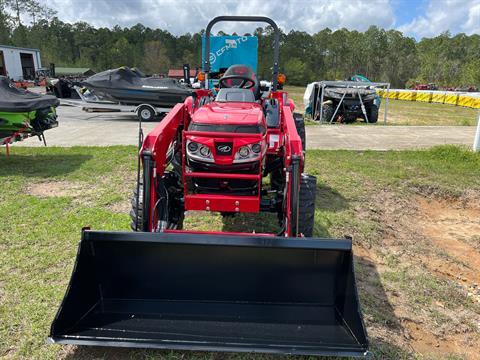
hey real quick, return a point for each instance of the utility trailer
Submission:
(91, 103)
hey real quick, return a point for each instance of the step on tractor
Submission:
(162, 286)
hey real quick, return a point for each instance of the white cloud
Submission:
(442, 15)
(181, 16)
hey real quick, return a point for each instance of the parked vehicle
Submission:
(162, 286)
(131, 87)
(23, 113)
(345, 104)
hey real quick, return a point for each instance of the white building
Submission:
(19, 63)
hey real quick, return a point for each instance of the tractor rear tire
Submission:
(373, 114)
(306, 208)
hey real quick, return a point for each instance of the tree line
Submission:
(379, 54)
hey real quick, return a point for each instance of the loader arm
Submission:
(293, 160)
(154, 154)
(158, 141)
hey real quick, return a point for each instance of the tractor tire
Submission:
(372, 114)
(327, 112)
(306, 208)
(137, 208)
(300, 125)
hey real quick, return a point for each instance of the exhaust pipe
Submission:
(213, 293)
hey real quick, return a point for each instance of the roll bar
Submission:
(249, 19)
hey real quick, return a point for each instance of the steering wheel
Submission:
(246, 82)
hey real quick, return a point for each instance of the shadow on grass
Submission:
(378, 312)
(372, 294)
(244, 222)
(329, 199)
(41, 166)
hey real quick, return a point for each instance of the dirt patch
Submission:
(121, 207)
(453, 229)
(426, 257)
(56, 189)
(427, 343)
(81, 193)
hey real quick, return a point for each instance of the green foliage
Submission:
(296, 70)
(155, 59)
(379, 54)
(449, 60)
(4, 24)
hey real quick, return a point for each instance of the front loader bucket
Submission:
(213, 292)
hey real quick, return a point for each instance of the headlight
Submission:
(192, 146)
(199, 152)
(244, 151)
(248, 153)
(256, 148)
(204, 151)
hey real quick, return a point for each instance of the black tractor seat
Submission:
(235, 95)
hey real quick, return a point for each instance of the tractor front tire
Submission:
(136, 213)
(300, 125)
(306, 208)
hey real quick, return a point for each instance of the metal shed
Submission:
(19, 63)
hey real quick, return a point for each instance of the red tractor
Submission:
(166, 287)
(212, 152)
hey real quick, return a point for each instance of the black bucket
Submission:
(213, 292)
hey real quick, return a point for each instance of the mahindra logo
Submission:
(224, 148)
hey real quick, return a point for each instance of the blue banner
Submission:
(231, 50)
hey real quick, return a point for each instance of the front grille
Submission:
(223, 186)
(243, 168)
(230, 128)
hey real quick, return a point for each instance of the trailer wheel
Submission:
(306, 209)
(146, 113)
(373, 114)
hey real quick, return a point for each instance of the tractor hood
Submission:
(231, 113)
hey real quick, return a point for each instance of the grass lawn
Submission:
(410, 112)
(418, 294)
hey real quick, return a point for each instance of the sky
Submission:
(416, 18)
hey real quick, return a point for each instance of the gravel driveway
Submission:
(77, 127)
